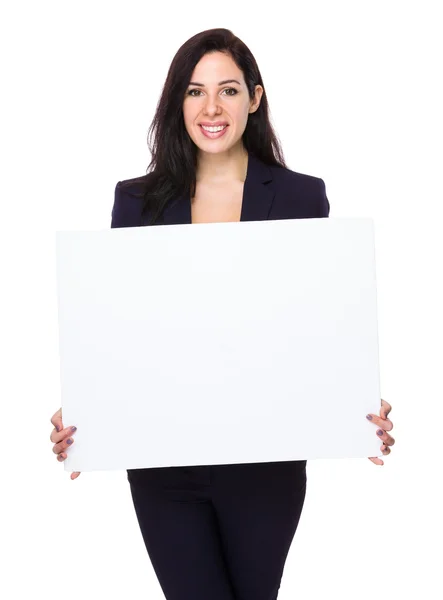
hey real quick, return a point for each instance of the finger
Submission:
(56, 420)
(376, 460)
(385, 437)
(63, 445)
(385, 424)
(61, 435)
(61, 457)
(385, 409)
(389, 440)
(385, 449)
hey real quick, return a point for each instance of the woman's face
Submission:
(216, 93)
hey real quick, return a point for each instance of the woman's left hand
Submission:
(384, 424)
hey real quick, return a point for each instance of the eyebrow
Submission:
(219, 83)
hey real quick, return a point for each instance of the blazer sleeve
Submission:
(116, 215)
(323, 206)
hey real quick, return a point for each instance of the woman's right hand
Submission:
(61, 436)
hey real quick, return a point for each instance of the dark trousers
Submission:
(219, 532)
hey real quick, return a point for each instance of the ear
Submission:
(255, 103)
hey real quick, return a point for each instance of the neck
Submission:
(222, 167)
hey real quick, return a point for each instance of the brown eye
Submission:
(190, 93)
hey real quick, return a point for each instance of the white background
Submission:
(354, 90)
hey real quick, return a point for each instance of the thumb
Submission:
(57, 420)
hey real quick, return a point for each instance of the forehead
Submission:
(214, 67)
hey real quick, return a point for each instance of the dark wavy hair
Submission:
(172, 170)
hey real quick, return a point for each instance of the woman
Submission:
(217, 532)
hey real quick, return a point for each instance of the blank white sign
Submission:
(218, 343)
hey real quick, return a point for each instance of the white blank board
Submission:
(218, 343)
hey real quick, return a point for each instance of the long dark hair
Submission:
(172, 170)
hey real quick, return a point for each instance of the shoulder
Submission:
(128, 201)
(284, 176)
(306, 192)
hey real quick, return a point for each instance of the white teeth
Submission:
(214, 129)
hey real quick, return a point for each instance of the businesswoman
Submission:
(218, 532)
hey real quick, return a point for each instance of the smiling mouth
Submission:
(213, 134)
(207, 127)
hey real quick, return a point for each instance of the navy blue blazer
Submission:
(269, 193)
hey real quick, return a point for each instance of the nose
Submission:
(211, 106)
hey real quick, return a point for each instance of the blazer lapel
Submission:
(258, 191)
(178, 212)
(258, 195)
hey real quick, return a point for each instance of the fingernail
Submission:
(69, 441)
(73, 428)
(369, 417)
(380, 432)
(57, 427)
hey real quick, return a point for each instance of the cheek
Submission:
(242, 114)
(189, 115)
